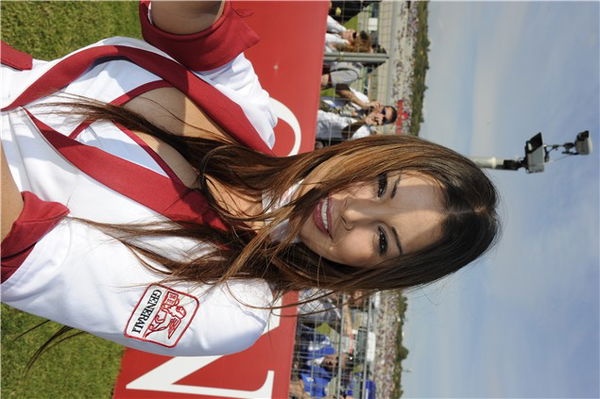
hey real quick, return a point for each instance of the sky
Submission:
(524, 320)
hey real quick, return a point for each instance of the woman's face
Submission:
(367, 223)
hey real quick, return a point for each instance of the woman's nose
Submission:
(361, 211)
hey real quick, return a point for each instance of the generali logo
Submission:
(161, 316)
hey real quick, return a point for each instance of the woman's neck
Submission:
(236, 203)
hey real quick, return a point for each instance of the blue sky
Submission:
(524, 320)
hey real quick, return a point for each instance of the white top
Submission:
(343, 105)
(334, 26)
(332, 36)
(78, 276)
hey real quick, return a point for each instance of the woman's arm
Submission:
(12, 202)
(185, 17)
(345, 92)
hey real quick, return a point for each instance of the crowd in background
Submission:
(348, 114)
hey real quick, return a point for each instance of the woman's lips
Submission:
(322, 216)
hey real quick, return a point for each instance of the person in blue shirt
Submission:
(317, 362)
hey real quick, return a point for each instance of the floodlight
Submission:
(583, 143)
(537, 153)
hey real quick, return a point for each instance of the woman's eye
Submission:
(383, 243)
(382, 184)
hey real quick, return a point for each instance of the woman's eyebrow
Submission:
(397, 239)
(394, 231)
(395, 187)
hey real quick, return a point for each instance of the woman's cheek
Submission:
(355, 250)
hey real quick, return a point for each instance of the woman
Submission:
(350, 41)
(153, 214)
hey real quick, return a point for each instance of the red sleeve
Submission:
(36, 219)
(228, 37)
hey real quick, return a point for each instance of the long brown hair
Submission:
(469, 228)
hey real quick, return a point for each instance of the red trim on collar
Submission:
(159, 193)
(146, 87)
(157, 84)
(122, 100)
(204, 50)
(125, 98)
(163, 165)
(217, 106)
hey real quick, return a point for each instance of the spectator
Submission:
(349, 41)
(317, 362)
(348, 101)
(334, 127)
(339, 38)
(340, 73)
(325, 309)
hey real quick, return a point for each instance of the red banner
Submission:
(261, 371)
(288, 61)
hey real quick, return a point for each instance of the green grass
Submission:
(82, 367)
(85, 366)
(51, 29)
(401, 351)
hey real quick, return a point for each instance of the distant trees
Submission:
(420, 67)
(401, 350)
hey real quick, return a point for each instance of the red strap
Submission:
(37, 218)
(204, 50)
(157, 192)
(15, 58)
(228, 114)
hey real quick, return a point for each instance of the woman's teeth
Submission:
(324, 217)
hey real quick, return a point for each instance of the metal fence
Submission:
(334, 352)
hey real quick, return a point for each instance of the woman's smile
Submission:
(322, 216)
